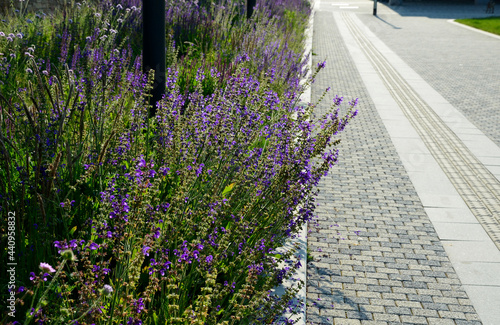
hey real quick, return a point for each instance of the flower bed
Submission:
(122, 218)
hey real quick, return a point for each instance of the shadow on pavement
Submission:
(441, 9)
(335, 301)
(388, 23)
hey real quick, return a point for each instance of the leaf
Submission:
(228, 189)
(72, 231)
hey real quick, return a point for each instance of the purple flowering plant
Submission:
(174, 218)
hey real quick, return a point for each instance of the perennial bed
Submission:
(123, 218)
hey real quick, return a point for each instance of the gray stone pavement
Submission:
(462, 66)
(394, 241)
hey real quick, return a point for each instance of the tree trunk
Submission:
(250, 6)
(154, 39)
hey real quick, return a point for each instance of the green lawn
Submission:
(490, 24)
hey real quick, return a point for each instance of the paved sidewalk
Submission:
(408, 226)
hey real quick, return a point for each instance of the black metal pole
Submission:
(153, 56)
(374, 7)
(250, 6)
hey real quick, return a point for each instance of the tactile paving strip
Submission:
(479, 189)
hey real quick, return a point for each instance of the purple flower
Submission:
(196, 254)
(107, 290)
(32, 276)
(45, 276)
(133, 321)
(145, 250)
(46, 268)
(164, 170)
(166, 265)
(139, 305)
(338, 100)
(209, 259)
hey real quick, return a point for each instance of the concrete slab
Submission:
(490, 306)
(442, 200)
(494, 169)
(479, 273)
(410, 145)
(472, 251)
(490, 160)
(447, 215)
(480, 145)
(388, 113)
(459, 231)
(419, 162)
(432, 182)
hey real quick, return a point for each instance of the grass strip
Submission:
(489, 24)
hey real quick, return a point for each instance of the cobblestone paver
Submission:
(441, 52)
(376, 256)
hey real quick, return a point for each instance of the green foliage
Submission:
(489, 24)
(171, 219)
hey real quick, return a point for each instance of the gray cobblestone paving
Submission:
(439, 52)
(395, 270)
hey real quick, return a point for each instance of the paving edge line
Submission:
(474, 257)
(452, 21)
(301, 239)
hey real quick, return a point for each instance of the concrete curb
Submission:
(300, 241)
(452, 21)
(306, 98)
